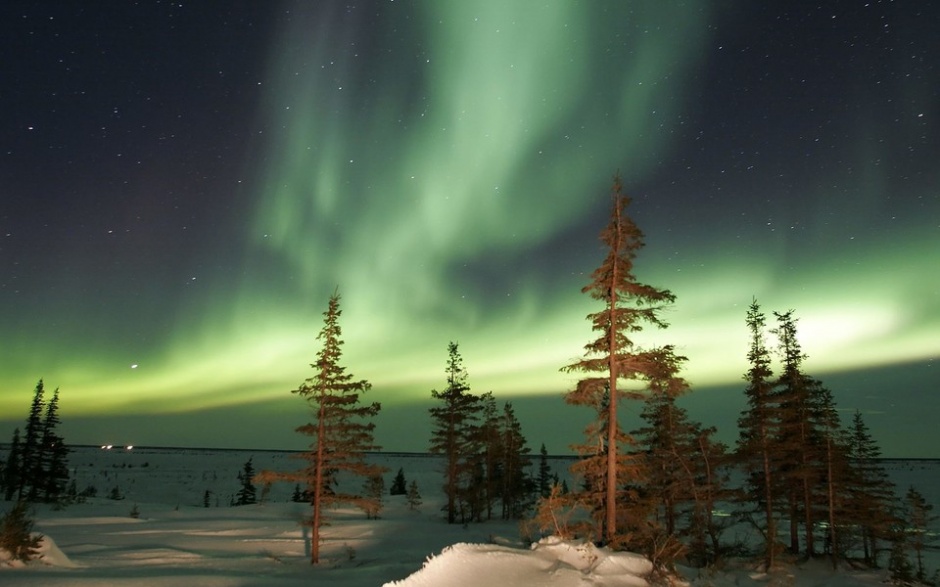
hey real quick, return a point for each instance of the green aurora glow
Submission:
(448, 171)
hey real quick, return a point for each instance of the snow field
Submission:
(176, 541)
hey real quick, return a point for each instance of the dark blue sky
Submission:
(183, 186)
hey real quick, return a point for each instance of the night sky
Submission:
(183, 185)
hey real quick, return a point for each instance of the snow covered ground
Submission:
(177, 541)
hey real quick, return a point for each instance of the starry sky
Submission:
(183, 185)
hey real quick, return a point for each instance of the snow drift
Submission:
(556, 562)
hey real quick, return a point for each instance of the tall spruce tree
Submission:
(516, 486)
(795, 441)
(454, 435)
(491, 460)
(54, 476)
(31, 465)
(614, 357)
(758, 430)
(835, 471)
(798, 440)
(341, 432)
(871, 502)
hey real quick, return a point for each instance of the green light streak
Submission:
(485, 139)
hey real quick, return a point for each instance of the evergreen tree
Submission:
(919, 520)
(399, 485)
(516, 486)
(55, 474)
(545, 473)
(798, 441)
(628, 306)
(16, 534)
(490, 461)
(373, 487)
(246, 494)
(684, 478)
(454, 435)
(836, 472)
(899, 565)
(12, 470)
(711, 487)
(31, 465)
(413, 496)
(668, 440)
(758, 430)
(341, 432)
(871, 494)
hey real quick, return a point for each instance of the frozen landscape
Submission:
(177, 540)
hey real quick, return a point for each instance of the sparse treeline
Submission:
(36, 468)
(811, 485)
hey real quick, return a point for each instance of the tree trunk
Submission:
(317, 489)
(612, 403)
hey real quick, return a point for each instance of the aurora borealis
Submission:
(184, 185)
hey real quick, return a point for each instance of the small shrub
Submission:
(16, 534)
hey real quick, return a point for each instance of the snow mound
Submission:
(52, 555)
(552, 562)
(48, 553)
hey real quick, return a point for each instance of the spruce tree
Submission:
(758, 430)
(31, 465)
(545, 473)
(413, 496)
(836, 470)
(373, 487)
(454, 435)
(246, 494)
(491, 460)
(684, 473)
(16, 534)
(399, 485)
(668, 440)
(615, 357)
(711, 487)
(798, 441)
(919, 520)
(55, 474)
(341, 432)
(871, 494)
(516, 485)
